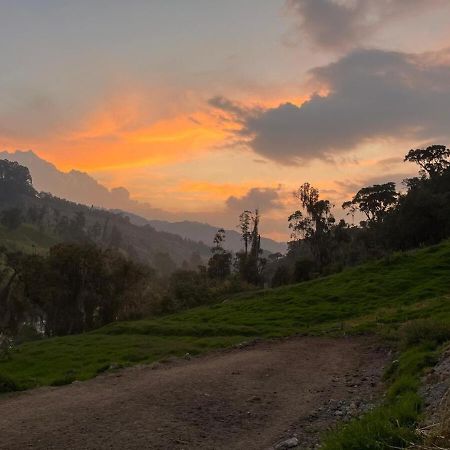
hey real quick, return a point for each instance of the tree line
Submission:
(89, 280)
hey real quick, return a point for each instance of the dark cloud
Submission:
(264, 199)
(348, 188)
(344, 24)
(372, 94)
(228, 106)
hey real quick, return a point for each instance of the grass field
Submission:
(405, 298)
(26, 238)
(374, 297)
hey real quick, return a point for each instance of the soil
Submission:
(251, 397)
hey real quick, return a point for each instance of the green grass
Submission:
(405, 298)
(392, 423)
(377, 296)
(27, 238)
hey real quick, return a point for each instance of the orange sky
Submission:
(124, 93)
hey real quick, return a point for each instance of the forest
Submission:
(91, 267)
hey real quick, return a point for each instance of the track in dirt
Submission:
(248, 398)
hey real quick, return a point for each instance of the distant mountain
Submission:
(82, 188)
(203, 232)
(74, 185)
(53, 220)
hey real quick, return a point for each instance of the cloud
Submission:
(264, 199)
(345, 189)
(371, 95)
(345, 24)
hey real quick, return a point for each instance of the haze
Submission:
(203, 108)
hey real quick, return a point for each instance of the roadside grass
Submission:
(393, 423)
(375, 297)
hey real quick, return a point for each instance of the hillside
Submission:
(81, 188)
(391, 291)
(44, 220)
(204, 232)
(402, 299)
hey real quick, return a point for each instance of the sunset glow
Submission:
(184, 120)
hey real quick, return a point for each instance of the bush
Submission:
(303, 269)
(7, 384)
(425, 331)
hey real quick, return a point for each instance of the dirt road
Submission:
(248, 398)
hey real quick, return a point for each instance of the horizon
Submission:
(206, 110)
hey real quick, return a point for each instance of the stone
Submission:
(288, 443)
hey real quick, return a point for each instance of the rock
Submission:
(288, 443)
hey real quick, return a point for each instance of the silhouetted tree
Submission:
(374, 201)
(244, 226)
(219, 265)
(315, 224)
(249, 262)
(433, 160)
(15, 179)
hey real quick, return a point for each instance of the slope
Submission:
(374, 296)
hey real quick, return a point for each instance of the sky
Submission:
(203, 108)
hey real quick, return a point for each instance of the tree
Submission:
(374, 201)
(195, 261)
(15, 179)
(244, 226)
(433, 160)
(164, 264)
(11, 218)
(281, 276)
(318, 219)
(115, 239)
(219, 265)
(313, 222)
(249, 262)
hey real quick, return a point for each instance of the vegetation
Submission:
(392, 424)
(389, 220)
(96, 276)
(377, 296)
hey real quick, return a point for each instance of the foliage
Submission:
(219, 265)
(375, 296)
(374, 201)
(73, 289)
(7, 384)
(249, 263)
(11, 218)
(392, 424)
(433, 160)
(394, 221)
(14, 179)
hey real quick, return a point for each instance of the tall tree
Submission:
(219, 265)
(249, 262)
(15, 179)
(244, 225)
(373, 201)
(433, 160)
(313, 221)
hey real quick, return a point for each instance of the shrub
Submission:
(7, 384)
(425, 331)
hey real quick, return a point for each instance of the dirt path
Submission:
(249, 398)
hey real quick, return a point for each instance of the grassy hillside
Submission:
(27, 238)
(375, 296)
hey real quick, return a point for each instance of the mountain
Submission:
(203, 232)
(82, 188)
(37, 221)
(74, 185)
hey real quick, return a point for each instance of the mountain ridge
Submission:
(80, 187)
